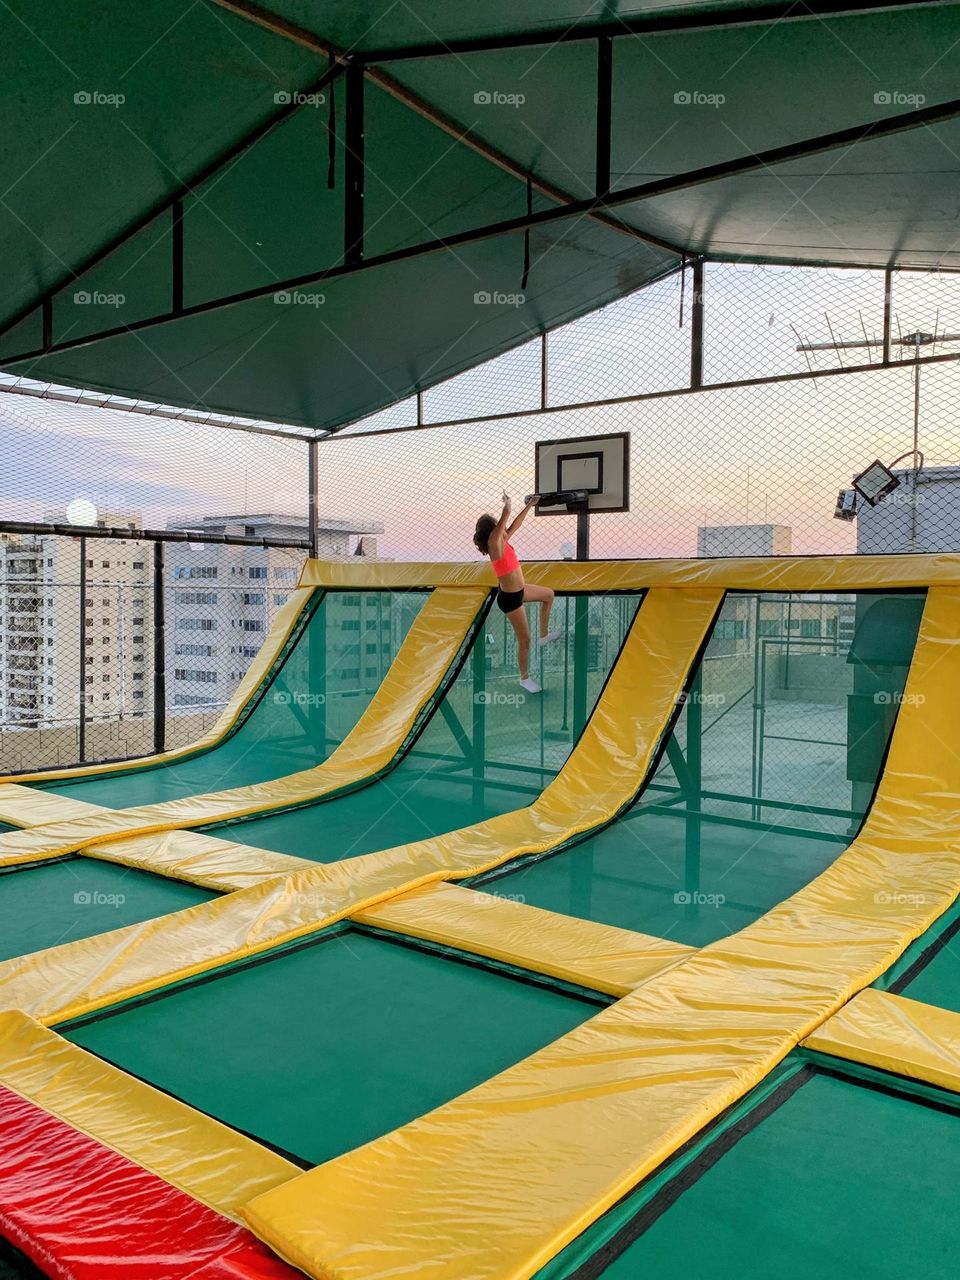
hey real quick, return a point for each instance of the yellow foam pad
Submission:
(744, 573)
(202, 1157)
(598, 956)
(895, 1034)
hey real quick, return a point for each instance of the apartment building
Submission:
(49, 635)
(222, 600)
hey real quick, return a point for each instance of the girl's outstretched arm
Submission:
(499, 533)
(531, 502)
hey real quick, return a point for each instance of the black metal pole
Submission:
(147, 535)
(353, 167)
(544, 371)
(176, 264)
(82, 716)
(581, 630)
(604, 113)
(159, 654)
(887, 312)
(313, 498)
(583, 535)
(696, 326)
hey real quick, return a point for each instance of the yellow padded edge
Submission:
(497, 1182)
(427, 651)
(27, 807)
(598, 956)
(200, 859)
(749, 573)
(200, 1156)
(283, 625)
(601, 775)
(895, 1034)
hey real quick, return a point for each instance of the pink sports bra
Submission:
(507, 562)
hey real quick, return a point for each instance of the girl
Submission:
(491, 537)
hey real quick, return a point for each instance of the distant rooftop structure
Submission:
(922, 515)
(333, 536)
(744, 540)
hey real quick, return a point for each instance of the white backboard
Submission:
(598, 464)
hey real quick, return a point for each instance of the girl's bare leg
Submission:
(544, 597)
(518, 620)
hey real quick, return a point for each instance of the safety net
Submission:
(488, 747)
(75, 897)
(322, 681)
(395, 1028)
(770, 1176)
(764, 779)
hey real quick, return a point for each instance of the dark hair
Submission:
(481, 535)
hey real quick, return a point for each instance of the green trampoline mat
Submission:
(842, 1181)
(487, 748)
(641, 873)
(310, 703)
(54, 902)
(321, 1049)
(779, 744)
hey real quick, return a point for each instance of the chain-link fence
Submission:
(92, 669)
(753, 396)
(808, 375)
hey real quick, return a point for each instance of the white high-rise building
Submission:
(40, 640)
(222, 600)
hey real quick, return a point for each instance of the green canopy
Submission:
(307, 212)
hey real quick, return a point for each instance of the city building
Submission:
(222, 600)
(922, 514)
(744, 540)
(41, 651)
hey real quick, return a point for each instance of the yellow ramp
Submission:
(430, 646)
(601, 776)
(498, 1181)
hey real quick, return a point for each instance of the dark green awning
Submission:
(116, 113)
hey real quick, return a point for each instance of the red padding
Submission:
(81, 1212)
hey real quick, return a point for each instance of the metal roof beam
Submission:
(692, 18)
(272, 22)
(871, 131)
(170, 203)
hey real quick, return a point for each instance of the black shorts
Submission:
(507, 601)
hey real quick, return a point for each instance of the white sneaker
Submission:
(550, 638)
(530, 685)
